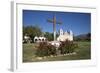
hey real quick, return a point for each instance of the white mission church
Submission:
(65, 36)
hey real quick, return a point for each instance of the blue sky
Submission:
(79, 23)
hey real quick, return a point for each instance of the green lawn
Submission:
(83, 52)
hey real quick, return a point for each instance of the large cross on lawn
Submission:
(54, 25)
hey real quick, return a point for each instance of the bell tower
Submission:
(61, 32)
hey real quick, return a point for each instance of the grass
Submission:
(82, 53)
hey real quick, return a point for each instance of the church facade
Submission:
(63, 36)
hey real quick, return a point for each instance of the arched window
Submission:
(36, 40)
(42, 39)
(39, 39)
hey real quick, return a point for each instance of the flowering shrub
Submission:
(67, 47)
(45, 49)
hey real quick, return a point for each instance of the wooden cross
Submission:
(54, 25)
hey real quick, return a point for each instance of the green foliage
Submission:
(67, 47)
(32, 31)
(88, 37)
(45, 49)
(49, 36)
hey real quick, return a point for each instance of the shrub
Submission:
(67, 47)
(45, 49)
(51, 49)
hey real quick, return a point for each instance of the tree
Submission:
(32, 31)
(88, 36)
(49, 36)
